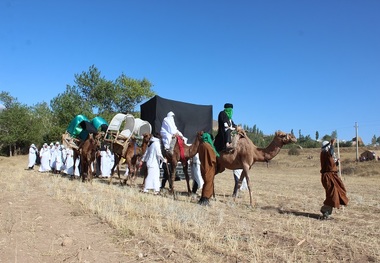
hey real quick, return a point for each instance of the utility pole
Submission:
(339, 166)
(357, 141)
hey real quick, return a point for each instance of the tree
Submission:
(7, 99)
(46, 125)
(105, 96)
(316, 135)
(15, 124)
(373, 141)
(69, 104)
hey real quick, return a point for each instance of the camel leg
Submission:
(185, 171)
(83, 171)
(132, 172)
(117, 159)
(89, 173)
(172, 179)
(236, 187)
(118, 173)
(246, 175)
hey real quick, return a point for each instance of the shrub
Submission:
(294, 151)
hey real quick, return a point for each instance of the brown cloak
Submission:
(334, 187)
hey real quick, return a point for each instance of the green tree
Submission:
(67, 105)
(15, 125)
(131, 92)
(373, 141)
(316, 135)
(7, 99)
(105, 96)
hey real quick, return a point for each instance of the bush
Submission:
(294, 151)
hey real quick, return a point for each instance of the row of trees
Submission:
(92, 95)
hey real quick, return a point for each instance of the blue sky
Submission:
(301, 65)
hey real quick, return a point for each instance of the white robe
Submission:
(32, 157)
(45, 159)
(58, 159)
(168, 129)
(196, 171)
(52, 157)
(237, 173)
(152, 157)
(76, 167)
(106, 163)
(69, 162)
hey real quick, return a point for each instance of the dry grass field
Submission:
(48, 218)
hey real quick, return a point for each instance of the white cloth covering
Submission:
(32, 156)
(106, 162)
(196, 171)
(52, 156)
(58, 159)
(168, 129)
(152, 157)
(76, 167)
(69, 162)
(45, 159)
(237, 173)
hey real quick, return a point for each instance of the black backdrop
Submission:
(189, 118)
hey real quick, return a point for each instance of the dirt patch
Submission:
(35, 227)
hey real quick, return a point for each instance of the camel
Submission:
(87, 153)
(132, 154)
(189, 151)
(245, 154)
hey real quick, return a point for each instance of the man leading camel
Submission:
(208, 155)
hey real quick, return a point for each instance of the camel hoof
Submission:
(204, 201)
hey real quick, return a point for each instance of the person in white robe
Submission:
(106, 162)
(69, 162)
(196, 175)
(76, 167)
(58, 158)
(152, 157)
(33, 151)
(45, 158)
(63, 158)
(168, 129)
(52, 157)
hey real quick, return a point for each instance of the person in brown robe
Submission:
(332, 183)
(208, 157)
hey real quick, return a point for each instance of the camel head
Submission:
(98, 139)
(284, 138)
(146, 137)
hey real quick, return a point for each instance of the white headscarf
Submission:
(169, 123)
(325, 146)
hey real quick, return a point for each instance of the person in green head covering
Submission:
(208, 158)
(225, 126)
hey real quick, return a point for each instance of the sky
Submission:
(298, 65)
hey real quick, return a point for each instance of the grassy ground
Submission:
(281, 227)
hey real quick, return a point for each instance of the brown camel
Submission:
(245, 154)
(87, 154)
(132, 153)
(173, 159)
